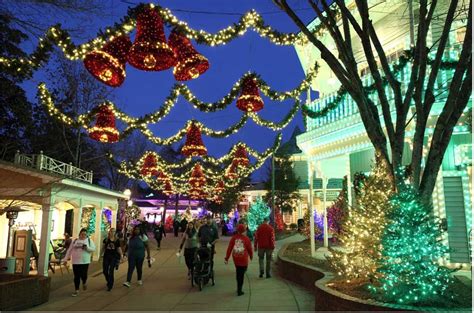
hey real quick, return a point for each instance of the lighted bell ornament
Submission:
(249, 99)
(168, 190)
(104, 129)
(194, 145)
(108, 64)
(219, 187)
(194, 193)
(191, 63)
(150, 166)
(231, 172)
(162, 177)
(218, 200)
(197, 178)
(150, 52)
(240, 157)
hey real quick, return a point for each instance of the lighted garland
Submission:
(181, 89)
(180, 183)
(209, 159)
(56, 36)
(135, 124)
(403, 60)
(129, 169)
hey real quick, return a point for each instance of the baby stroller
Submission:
(202, 268)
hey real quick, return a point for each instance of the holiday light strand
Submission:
(182, 89)
(225, 159)
(84, 120)
(56, 36)
(397, 67)
(180, 181)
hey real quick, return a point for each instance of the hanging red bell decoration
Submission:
(191, 64)
(218, 200)
(249, 99)
(219, 187)
(104, 129)
(194, 193)
(197, 178)
(150, 166)
(150, 52)
(240, 157)
(162, 177)
(108, 64)
(231, 172)
(194, 145)
(168, 189)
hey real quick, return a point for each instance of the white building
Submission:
(54, 196)
(337, 145)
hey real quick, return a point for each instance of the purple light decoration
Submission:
(319, 222)
(230, 223)
(108, 215)
(202, 213)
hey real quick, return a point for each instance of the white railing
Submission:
(47, 164)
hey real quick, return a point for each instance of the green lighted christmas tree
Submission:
(88, 220)
(257, 212)
(411, 252)
(362, 230)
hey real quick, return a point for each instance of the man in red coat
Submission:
(241, 249)
(265, 242)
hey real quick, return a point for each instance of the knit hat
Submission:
(241, 228)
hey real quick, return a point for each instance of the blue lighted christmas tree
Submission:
(410, 267)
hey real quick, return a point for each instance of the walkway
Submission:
(166, 288)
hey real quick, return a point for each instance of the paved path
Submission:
(166, 288)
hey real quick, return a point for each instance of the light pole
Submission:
(273, 189)
(311, 211)
(326, 243)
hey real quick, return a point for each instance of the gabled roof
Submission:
(290, 147)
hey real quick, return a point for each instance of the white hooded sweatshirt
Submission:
(79, 255)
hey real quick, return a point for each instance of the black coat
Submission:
(159, 232)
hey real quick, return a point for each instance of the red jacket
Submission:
(264, 237)
(241, 249)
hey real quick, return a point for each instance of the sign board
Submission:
(22, 251)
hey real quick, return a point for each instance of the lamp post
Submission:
(273, 189)
(12, 215)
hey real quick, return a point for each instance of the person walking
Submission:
(112, 257)
(80, 253)
(190, 244)
(241, 249)
(159, 232)
(176, 227)
(208, 236)
(137, 244)
(264, 241)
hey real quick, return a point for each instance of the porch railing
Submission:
(45, 163)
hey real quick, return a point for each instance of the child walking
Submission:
(241, 249)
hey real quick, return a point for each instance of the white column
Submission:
(59, 227)
(326, 231)
(76, 227)
(349, 181)
(113, 216)
(311, 211)
(44, 246)
(98, 234)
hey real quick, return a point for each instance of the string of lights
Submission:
(56, 36)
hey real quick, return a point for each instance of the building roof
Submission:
(290, 147)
